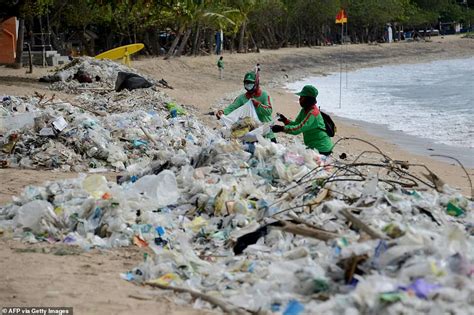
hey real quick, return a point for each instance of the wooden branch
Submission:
(296, 218)
(226, 307)
(147, 134)
(306, 231)
(463, 168)
(361, 225)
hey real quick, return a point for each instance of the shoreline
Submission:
(414, 144)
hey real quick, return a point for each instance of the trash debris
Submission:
(227, 225)
(130, 81)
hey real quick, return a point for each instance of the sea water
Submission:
(432, 100)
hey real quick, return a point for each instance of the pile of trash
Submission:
(87, 73)
(126, 128)
(125, 101)
(323, 236)
(225, 223)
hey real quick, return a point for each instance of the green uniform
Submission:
(311, 124)
(220, 64)
(263, 108)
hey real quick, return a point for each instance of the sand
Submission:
(90, 282)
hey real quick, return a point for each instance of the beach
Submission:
(195, 82)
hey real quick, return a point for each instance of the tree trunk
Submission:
(298, 40)
(174, 44)
(19, 44)
(196, 39)
(211, 41)
(183, 42)
(30, 58)
(242, 37)
(232, 43)
(255, 47)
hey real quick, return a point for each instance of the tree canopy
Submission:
(176, 27)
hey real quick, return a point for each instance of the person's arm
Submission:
(301, 124)
(263, 107)
(239, 101)
(283, 119)
(297, 120)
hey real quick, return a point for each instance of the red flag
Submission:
(341, 17)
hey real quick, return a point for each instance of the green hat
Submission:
(308, 90)
(250, 76)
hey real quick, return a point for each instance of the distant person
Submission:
(220, 66)
(260, 99)
(309, 121)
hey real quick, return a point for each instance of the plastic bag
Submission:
(252, 135)
(31, 214)
(162, 187)
(246, 110)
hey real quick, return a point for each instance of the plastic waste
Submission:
(31, 214)
(210, 213)
(246, 110)
(162, 188)
(293, 308)
(95, 185)
(421, 288)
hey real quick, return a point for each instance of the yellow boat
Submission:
(122, 52)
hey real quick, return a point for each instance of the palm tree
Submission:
(193, 14)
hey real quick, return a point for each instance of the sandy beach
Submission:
(90, 282)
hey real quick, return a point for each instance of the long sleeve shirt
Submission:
(310, 122)
(263, 108)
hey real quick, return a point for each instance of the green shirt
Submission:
(263, 109)
(220, 64)
(311, 124)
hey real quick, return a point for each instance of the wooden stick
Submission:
(226, 307)
(147, 134)
(102, 114)
(306, 231)
(361, 225)
(296, 218)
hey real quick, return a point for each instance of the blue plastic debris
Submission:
(293, 308)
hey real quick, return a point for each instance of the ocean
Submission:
(432, 101)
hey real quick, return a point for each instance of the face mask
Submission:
(249, 86)
(306, 102)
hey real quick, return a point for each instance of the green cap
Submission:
(308, 90)
(250, 76)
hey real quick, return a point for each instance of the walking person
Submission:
(220, 66)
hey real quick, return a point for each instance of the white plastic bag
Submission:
(162, 187)
(252, 135)
(246, 110)
(30, 215)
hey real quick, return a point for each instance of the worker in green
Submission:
(309, 121)
(220, 66)
(260, 99)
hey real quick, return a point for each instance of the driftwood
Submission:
(147, 134)
(322, 235)
(361, 225)
(297, 219)
(226, 307)
(463, 168)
